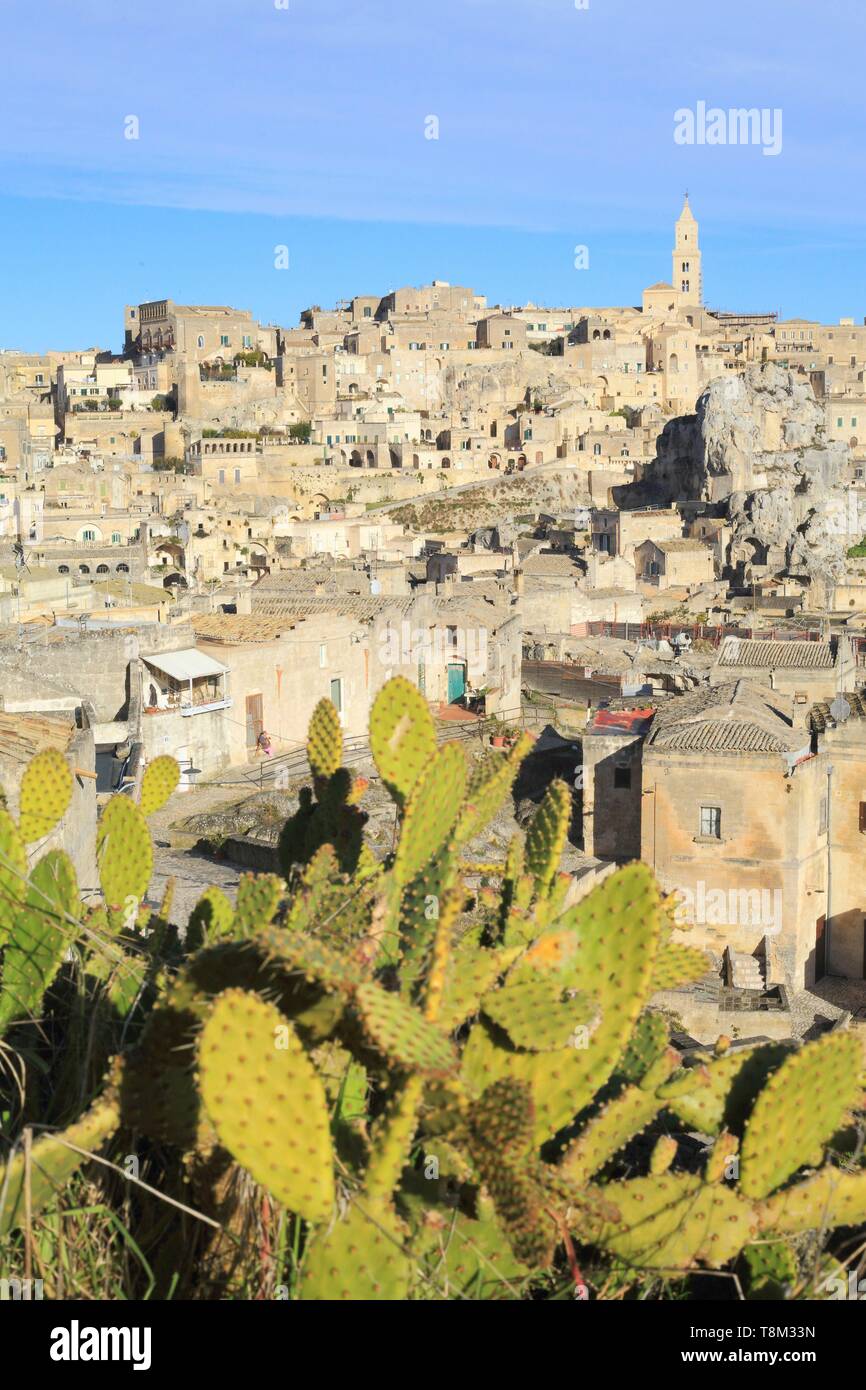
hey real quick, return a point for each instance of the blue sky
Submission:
(304, 126)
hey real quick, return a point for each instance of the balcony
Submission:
(203, 706)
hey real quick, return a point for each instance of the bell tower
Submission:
(687, 279)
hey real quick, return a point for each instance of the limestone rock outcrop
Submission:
(756, 446)
(763, 444)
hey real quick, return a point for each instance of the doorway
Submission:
(456, 682)
(820, 949)
(255, 726)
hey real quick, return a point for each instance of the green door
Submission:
(456, 683)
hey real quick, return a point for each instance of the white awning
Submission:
(186, 665)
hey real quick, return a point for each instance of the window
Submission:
(711, 822)
(323, 654)
(116, 538)
(88, 535)
(222, 475)
(237, 475)
(224, 340)
(337, 695)
(622, 778)
(863, 817)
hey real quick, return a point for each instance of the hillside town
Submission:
(637, 532)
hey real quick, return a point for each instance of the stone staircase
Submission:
(743, 971)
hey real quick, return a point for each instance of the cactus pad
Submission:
(611, 1129)
(721, 1091)
(470, 973)
(678, 965)
(124, 853)
(644, 1047)
(430, 811)
(158, 1094)
(258, 898)
(772, 1268)
(211, 919)
(401, 1033)
(545, 838)
(782, 1136)
(673, 1221)
(324, 741)
(360, 1258)
(13, 873)
(46, 791)
(502, 1146)
(316, 960)
(613, 933)
(465, 1258)
(266, 1102)
(535, 1013)
(39, 937)
(402, 736)
(53, 1160)
(830, 1198)
(161, 778)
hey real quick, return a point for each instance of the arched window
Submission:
(102, 569)
(201, 340)
(596, 448)
(83, 569)
(88, 535)
(62, 569)
(122, 568)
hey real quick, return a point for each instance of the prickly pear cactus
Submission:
(450, 1085)
(161, 778)
(361, 1258)
(124, 855)
(13, 873)
(53, 1160)
(258, 898)
(402, 736)
(266, 1102)
(780, 1138)
(46, 791)
(324, 742)
(39, 937)
(545, 839)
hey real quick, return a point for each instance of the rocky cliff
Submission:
(756, 445)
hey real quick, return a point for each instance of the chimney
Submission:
(243, 601)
